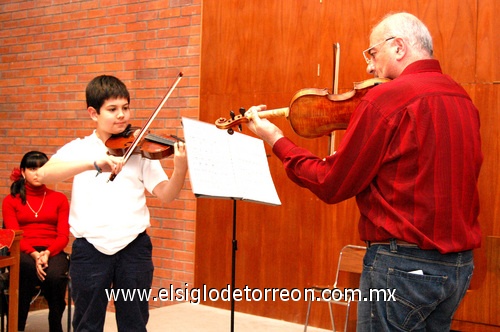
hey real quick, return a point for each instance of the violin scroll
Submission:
(235, 120)
(238, 120)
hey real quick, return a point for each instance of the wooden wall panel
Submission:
(453, 26)
(488, 41)
(480, 310)
(481, 303)
(262, 52)
(349, 23)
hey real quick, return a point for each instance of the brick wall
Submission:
(50, 50)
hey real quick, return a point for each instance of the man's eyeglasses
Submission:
(367, 53)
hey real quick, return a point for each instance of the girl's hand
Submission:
(42, 262)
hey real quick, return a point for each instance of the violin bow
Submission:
(336, 47)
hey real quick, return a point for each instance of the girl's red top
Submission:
(50, 229)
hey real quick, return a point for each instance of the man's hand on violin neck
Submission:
(262, 127)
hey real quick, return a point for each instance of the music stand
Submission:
(212, 155)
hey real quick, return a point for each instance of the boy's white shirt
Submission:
(109, 214)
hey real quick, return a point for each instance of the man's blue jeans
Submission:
(92, 273)
(427, 288)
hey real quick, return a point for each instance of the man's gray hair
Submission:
(410, 28)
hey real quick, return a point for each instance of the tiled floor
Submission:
(186, 317)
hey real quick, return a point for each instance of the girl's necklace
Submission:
(36, 213)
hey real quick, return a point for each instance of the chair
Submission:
(350, 262)
(12, 263)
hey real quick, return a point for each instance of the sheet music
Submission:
(227, 166)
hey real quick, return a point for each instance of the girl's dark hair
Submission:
(102, 88)
(32, 159)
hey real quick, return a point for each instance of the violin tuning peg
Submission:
(242, 112)
(230, 131)
(231, 113)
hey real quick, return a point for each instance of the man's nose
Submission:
(370, 68)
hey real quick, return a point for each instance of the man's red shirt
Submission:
(411, 155)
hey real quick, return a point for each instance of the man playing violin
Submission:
(109, 218)
(411, 156)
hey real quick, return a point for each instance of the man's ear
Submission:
(92, 113)
(401, 47)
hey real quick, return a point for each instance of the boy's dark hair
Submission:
(102, 88)
(32, 159)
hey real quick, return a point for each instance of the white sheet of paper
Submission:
(227, 166)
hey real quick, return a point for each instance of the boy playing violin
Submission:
(109, 218)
